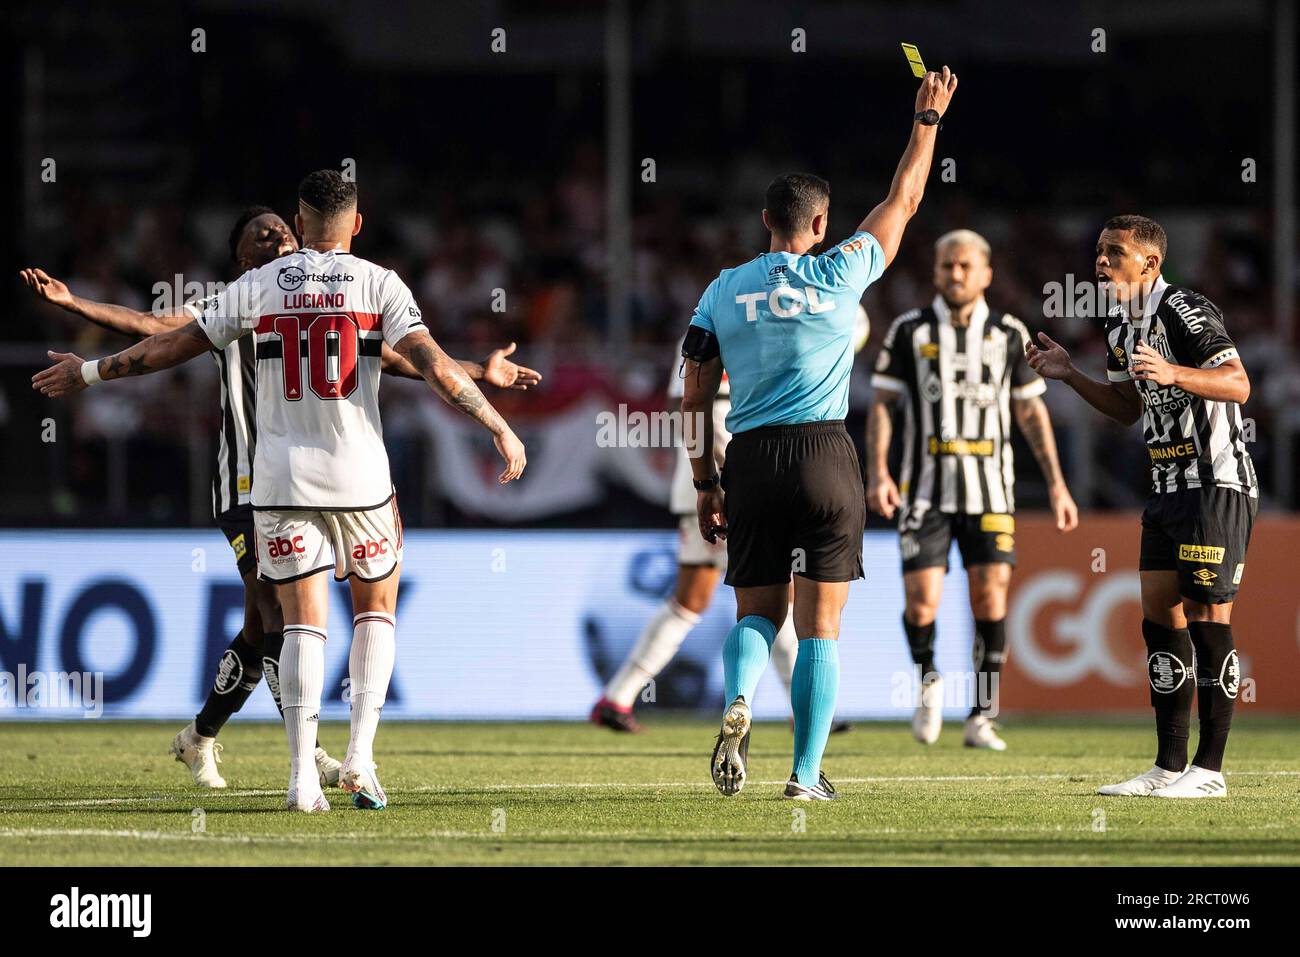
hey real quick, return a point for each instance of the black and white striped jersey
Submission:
(1192, 442)
(232, 479)
(957, 385)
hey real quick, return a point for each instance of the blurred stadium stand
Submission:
(482, 171)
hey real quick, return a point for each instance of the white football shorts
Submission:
(692, 549)
(296, 543)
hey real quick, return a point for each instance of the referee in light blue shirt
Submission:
(790, 497)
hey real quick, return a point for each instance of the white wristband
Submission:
(90, 371)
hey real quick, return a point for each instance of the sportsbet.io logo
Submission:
(1167, 672)
(290, 278)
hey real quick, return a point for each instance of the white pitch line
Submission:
(188, 796)
(664, 836)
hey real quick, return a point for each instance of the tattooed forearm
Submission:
(162, 351)
(472, 369)
(1036, 426)
(446, 377)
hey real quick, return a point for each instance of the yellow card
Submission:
(914, 60)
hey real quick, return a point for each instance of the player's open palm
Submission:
(512, 450)
(504, 374)
(1049, 359)
(47, 287)
(882, 496)
(62, 379)
(936, 91)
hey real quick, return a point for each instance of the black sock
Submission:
(920, 639)
(1169, 671)
(1218, 678)
(272, 645)
(989, 652)
(238, 673)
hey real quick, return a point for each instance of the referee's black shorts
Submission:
(794, 504)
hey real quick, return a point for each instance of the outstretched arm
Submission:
(70, 374)
(129, 322)
(1036, 425)
(496, 369)
(454, 386)
(888, 220)
(1116, 400)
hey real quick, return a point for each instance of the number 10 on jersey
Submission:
(330, 346)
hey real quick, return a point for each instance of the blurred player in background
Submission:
(1170, 363)
(258, 236)
(791, 500)
(700, 566)
(322, 496)
(958, 368)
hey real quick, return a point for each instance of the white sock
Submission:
(370, 668)
(785, 649)
(663, 635)
(302, 679)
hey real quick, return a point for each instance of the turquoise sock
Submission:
(813, 689)
(744, 655)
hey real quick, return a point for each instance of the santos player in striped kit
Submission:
(958, 369)
(322, 496)
(1171, 363)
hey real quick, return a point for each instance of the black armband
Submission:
(700, 345)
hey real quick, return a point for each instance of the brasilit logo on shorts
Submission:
(1200, 553)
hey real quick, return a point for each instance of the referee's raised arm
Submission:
(888, 220)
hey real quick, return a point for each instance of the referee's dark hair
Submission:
(327, 193)
(1145, 231)
(794, 199)
(246, 216)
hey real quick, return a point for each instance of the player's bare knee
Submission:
(695, 587)
(1200, 611)
(920, 612)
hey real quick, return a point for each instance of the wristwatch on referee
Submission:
(927, 118)
(705, 485)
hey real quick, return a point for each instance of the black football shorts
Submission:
(794, 505)
(1202, 534)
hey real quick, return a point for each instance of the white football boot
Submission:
(308, 802)
(731, 750)
(1195, 783)
(823, 790)
(328, 768)
(201, 755)
(927, 719)
(1142, 785)
(359, 779)
(982, 733)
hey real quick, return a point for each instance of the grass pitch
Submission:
(107, 793)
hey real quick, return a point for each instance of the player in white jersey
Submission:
(258, 236)
(322, 493)
(700, 566)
